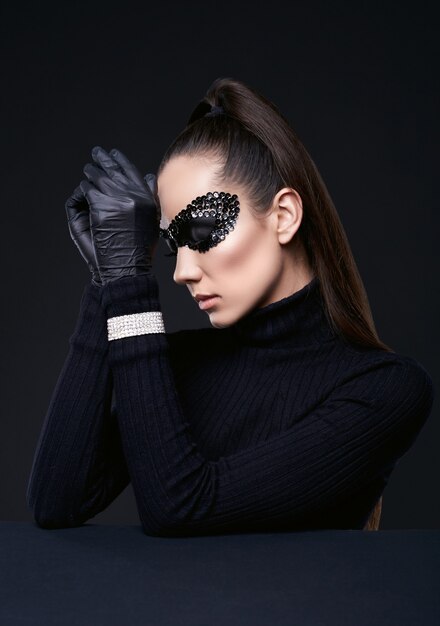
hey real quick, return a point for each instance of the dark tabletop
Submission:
(99, 574)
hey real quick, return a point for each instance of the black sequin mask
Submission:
(204, 223)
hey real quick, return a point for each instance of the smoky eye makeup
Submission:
(204, 223)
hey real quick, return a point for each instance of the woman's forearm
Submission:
(78, 466)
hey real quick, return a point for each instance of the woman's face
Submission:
(248, 268)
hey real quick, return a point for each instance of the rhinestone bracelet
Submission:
(135, 324)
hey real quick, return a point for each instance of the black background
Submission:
(357, 81)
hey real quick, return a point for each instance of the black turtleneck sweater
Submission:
(272, 424)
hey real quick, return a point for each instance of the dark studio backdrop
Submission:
(357, 81)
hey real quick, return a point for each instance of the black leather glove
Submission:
(124, 215)
(78, 220)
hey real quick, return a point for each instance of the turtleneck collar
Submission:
(296, 320)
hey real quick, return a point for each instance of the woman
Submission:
(289, 413)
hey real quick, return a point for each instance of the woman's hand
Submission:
(78, 220)
(124, 215)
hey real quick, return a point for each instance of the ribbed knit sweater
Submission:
(275, 423)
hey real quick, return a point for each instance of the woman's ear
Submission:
(288, 209)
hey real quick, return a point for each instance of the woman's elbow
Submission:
(43, 520)
(50, 519)
(168, 530)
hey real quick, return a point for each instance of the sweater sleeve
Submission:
(79, 467)
(362, 428)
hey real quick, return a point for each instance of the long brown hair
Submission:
(259, 151)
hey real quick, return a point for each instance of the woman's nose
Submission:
(187, 265)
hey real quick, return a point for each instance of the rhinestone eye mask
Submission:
(204, 223)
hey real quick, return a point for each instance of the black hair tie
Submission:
(215, 110)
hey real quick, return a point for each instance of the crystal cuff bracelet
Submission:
(135, 324)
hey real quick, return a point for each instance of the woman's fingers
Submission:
(107, 164)
(78, 221)
(116, 165)
(76, 203)
(129, 169)
(151, 181)
(92, 194)
(100, 179)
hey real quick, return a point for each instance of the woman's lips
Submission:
(208, 302)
